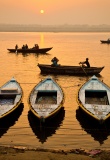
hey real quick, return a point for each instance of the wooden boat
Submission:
(69, 70)
(94, 98)
(105, 41)
(10, 97)
(30, 50)
(46, 99)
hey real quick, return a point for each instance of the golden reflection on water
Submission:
(70, 129)
(42, 39)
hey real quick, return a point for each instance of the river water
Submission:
(70, 128)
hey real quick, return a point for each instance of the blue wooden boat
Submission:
(46, 99)
(10, 97)
(94, 98)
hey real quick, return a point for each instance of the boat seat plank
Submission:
(44, 109)
(44, 106)
(98, 109)
(10, 94)
(8, 90)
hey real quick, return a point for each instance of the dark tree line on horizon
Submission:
(53, 28)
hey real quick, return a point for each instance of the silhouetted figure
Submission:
(54, 61)
(85, 63)
(16, 47)
(26, 46)
(23, 47)
(36, 46)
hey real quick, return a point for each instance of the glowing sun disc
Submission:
(41, 11)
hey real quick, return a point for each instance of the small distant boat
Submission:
(30, 50)
(46, 99)
(94, 99)
(10, 97)
(69, 70)
(105, 41)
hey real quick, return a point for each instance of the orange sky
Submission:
(55, 12)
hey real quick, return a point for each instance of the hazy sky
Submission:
(92, 12)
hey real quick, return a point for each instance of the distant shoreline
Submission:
(53, 28)
(58, 31)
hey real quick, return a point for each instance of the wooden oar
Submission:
(83, 70)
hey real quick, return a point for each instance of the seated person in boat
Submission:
(85, 63)
(54, 61)
(23, 47)
(36, 46)
(16, 47)
(26, 46)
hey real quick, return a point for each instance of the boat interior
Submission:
(7, 96)
(7, 99)
(46, 97)
(96, 97)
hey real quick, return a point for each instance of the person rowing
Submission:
(85, 63)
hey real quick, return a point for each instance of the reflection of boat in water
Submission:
(92, 127)
(48, 128)
(35, 55)
(10, 120)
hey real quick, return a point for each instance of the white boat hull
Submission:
(94, 99)
(46, 99)
(10, 97)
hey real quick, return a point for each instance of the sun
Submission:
(41, 11)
